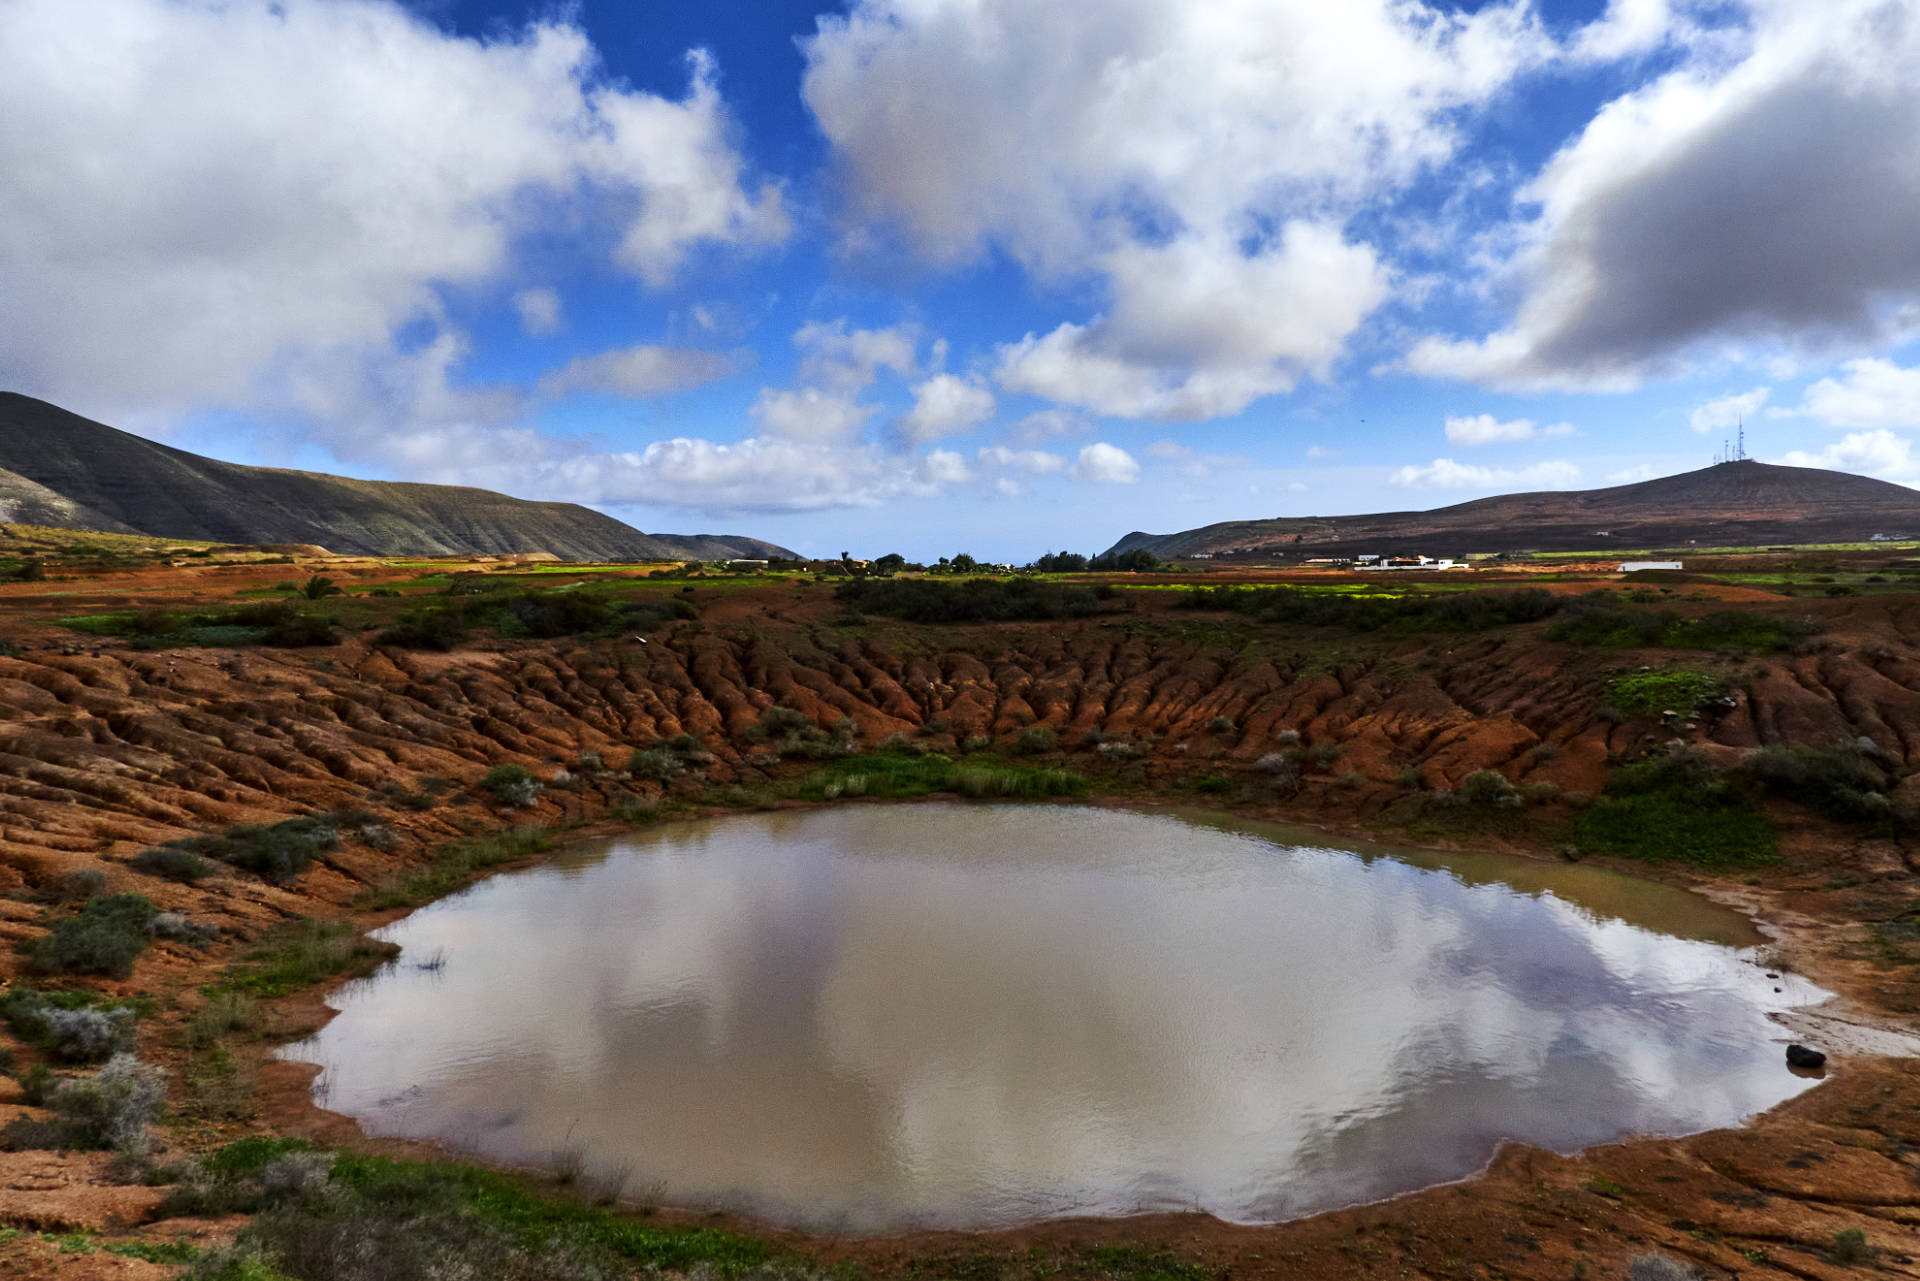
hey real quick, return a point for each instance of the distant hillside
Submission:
(1729, 504)
(57, 468)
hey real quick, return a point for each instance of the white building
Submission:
(1627, 567)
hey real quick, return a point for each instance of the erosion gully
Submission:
(105, 751)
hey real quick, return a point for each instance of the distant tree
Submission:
(1061, 563)
(318, 588)
(1137, 561)
(891, 563)
(964, 564)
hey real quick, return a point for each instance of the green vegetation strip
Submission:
(1677, 809)
(904, 776)
(302, 953)
(1651, 693)
(322, 1216)
(996, 600)
(453, 865)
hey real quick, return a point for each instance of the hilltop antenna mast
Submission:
(1742, 456)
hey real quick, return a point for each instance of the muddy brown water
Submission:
(879, 1017)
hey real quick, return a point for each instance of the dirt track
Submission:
(105, 751)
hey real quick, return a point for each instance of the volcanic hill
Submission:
(59, 469)
(1729, 504)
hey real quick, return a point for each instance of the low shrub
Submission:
(1850, 1247)
(106, 937)
(1034, 740)
(223, 1014)
(75, 1027)
(1323, 755)
(1221, 725)
(170, 863)
(109, 1109)
(89, 1036)
(1489, 789)
(1840, 782)
(512, 785)
(1658, 1267)
(275, 852)
(1211, 785)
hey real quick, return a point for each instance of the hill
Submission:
(57, 468)
(1729, 504)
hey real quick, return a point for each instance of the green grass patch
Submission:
(1603, 620)
(362, 1218)
(900, 776)
(1650, 693)
(974, 600)
(304, 952)
(536, 614)
(1377, 611)
(276, 623)
(1677, 809)
(453, 865)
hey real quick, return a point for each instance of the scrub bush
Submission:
(106, 937)
(512, 785)
(1034, 740)
(172, 864)
(1488, 788)
(276, 852)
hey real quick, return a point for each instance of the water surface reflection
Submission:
(880, 1016)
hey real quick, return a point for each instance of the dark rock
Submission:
(1801, 1057)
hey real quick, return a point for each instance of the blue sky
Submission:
(988, 275)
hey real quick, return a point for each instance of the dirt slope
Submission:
(105, 750)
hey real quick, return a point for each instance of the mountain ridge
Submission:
(1728, 504)
(57, 463)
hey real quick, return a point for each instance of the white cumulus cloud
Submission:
(1485, 429)
(1870, 393)
(1199, 329)
(1198, 161)
(808, 413)
(1445, 473)
(640, 371)
(1728, 411)
(208, 200)
(1757, 197)
(1037, 462)
(759, 474)
(539, 311)
(1869, 453)
(1105, 464)
(945, 405)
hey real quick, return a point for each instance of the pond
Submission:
(878, 1017)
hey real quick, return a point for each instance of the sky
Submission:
(994, 276)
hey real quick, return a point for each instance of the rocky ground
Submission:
(106, 750)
